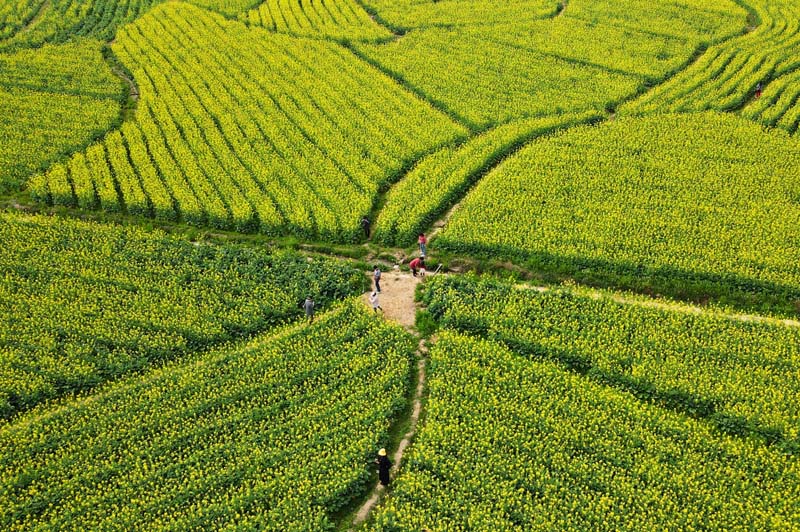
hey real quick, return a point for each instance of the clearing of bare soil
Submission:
(397, 297)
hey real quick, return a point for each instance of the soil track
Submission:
(397, 300)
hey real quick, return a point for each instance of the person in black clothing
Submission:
(383, 467)
(365, 225)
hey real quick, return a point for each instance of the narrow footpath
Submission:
(397, 300)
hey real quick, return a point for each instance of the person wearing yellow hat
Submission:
(383, 467)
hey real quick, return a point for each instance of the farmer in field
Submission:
(383, 467)
(376, 276)
(423, 242)
(758, 90)
(365, 226)
(375, 303)
(417, 265)
(308, 306)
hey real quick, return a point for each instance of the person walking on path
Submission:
(423, 243)
(308, 306)
(416, 265)
(758, 90)
(375, 303)
(383, 467)
(365, 225)
(376, 274)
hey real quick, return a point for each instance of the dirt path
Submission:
(441, 223)
(397, 297)
(397, 458)
(133, 89)
(397, 301)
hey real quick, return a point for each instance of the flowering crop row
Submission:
(341, 19)
(620, 49)
(742, 375)
(692, 20)
(691, 205)
(700, 21)
(277, 434)
(513, 444)
(16, 14)
(725, 77)
(84, 302)
(242, 128)
(440, 179)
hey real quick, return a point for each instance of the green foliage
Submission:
(340, 19)
(82, 303)
(240, 128)
(697, 206)
(514, 444)
(425, 323)
(274, 435)
(442, 178)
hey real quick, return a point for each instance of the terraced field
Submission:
(55, 99)
(727, 75)
(515, 444)
(700, 205)
(258, 429)
(85, 303)
(194, 195)
(293, 147)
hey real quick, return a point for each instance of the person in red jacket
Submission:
(417, 265)
(423, 242)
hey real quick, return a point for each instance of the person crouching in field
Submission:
(376, 305)
(417, 266)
